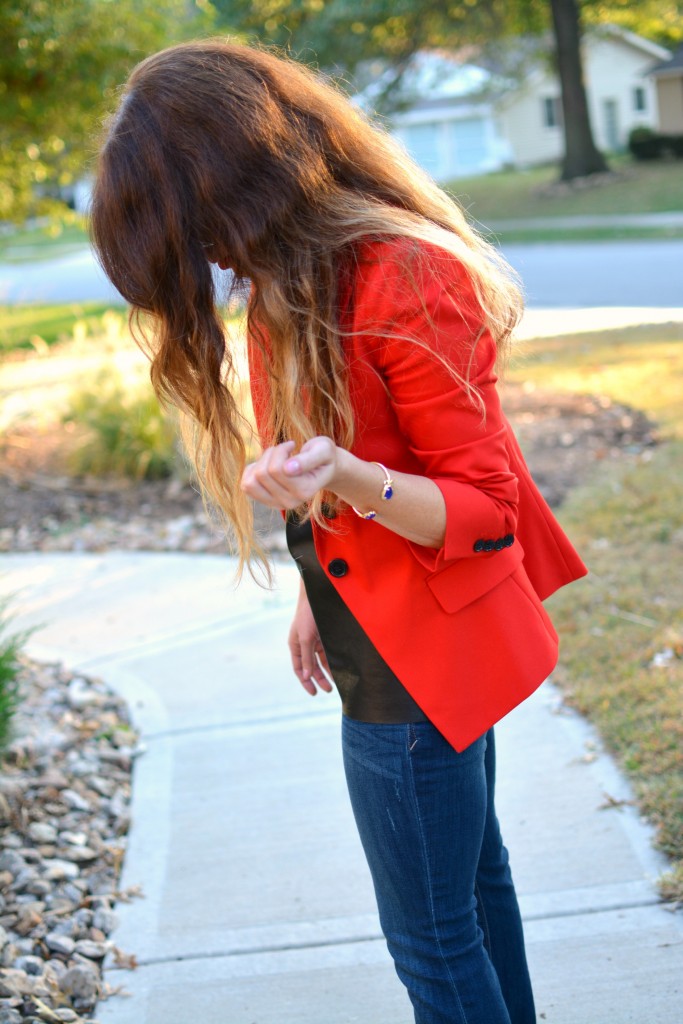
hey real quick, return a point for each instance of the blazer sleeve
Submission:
(460, 443)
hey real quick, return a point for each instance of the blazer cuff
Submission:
(476, 525)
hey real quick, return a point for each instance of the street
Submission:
(647, 273)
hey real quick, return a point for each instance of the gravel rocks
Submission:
(65, 783)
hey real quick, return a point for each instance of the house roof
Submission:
(636, 41)
(431, 78)
(672, 66)
(441, 78)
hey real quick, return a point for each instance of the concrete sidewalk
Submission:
(258, 907)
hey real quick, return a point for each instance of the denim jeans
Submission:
(446, 900)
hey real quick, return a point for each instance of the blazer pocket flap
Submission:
(462, 582)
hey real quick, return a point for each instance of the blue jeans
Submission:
(447, 904)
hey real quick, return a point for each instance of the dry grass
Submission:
(89, 389)
(622, 627)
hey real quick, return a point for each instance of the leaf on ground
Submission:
(127, 960)
(614, 802)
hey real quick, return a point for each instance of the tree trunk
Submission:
(582, 157)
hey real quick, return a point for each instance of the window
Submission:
(551, 111)
(639, 98)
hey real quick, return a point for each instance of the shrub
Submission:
(121, 431)
(645, 144)
(11, 645)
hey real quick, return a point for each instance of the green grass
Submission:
(622, 627)
(565, 234)
(11, 645)
(44, 242)
(644, 188)
(34, 327)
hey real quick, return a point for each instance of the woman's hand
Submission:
(306, 650)
(281, 480)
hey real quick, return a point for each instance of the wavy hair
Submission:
(227, 151)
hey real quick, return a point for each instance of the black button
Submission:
(338, 567)
(508, 540)
(329, 512)
(488, 545)
(499, 544)
(479, 545)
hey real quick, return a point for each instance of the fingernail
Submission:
(292, 466)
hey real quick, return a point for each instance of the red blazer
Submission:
(462, 627)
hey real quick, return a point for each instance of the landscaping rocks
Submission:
(64, 813)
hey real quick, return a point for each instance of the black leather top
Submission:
(369, 690)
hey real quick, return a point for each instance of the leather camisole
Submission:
(369, 690)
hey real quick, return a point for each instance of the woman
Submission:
(375, 320)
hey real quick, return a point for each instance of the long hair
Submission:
(220, 147)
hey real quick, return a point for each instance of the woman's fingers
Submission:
(319, 668)
(307, 659)
(284, 480)
(262, 479)
(315, 455)
(301, 663)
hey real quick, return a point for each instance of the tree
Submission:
(61, 62)
(340, 34)
(581, 155)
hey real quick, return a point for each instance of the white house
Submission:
(620, 97)
(458, 119)
(446, 118)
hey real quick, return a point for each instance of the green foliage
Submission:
(61, 62)
(645, 144)
(11, 645)
(123, 431)
(342, 33)
(658, 20)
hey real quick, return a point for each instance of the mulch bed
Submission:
(564, 436)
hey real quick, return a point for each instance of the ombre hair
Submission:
(223, 148)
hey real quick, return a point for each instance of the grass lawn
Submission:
(34, 327)
(622, 627)
(655, 187)
(565, 234)
(28, 244)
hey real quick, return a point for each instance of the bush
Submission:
(646, 144)
(11, 645)
(121, 431)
